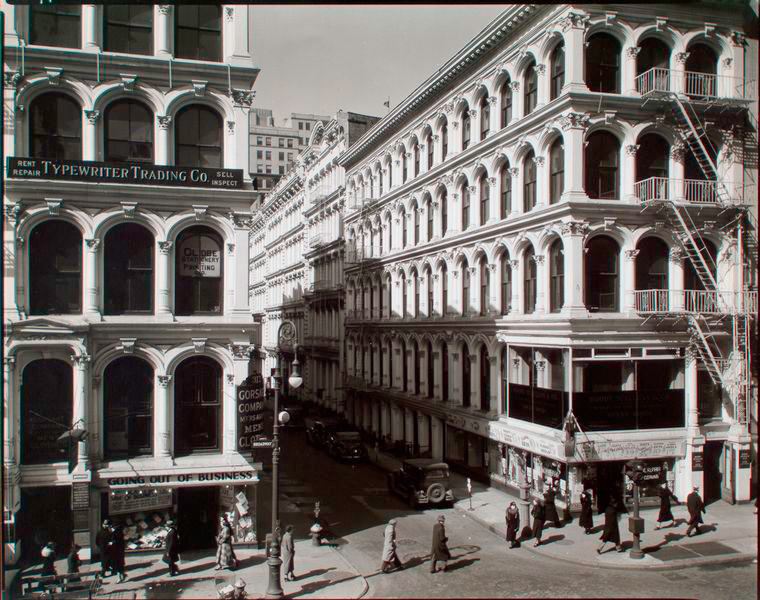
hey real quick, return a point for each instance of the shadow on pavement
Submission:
(311, 587)
(552, 538)
(461, 564)
(313, 573)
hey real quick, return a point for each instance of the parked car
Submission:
(346, 446)
(422, 481)
(318, 431)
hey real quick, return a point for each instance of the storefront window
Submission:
(141, 514)
(46, 411)
(197, 405)
(128, 408)
(542, 406)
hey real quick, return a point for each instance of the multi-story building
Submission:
(273, 148)
(125, 281)
(551, 259)
(297, 259)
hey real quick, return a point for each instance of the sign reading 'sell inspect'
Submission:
(142, 174)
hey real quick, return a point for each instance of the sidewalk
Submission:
(729, 533)
(321, 572)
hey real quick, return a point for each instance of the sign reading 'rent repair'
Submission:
(136, 174)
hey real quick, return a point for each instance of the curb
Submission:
(365, 585)
(670, 566)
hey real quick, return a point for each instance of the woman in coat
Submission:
(587, 517)
(665, 513)
(390, 558)
(513, 525)
(549, 507)
(538, 512)
(225, 558)
(118, 550)
(288, 550)
(611, 531)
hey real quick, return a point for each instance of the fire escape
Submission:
(712, 314)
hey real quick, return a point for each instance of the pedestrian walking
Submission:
(696, 507)
(440, 550)
(549, 506)
(102, 538)
(538, 512)
(390, 557)
(118, 550)
(288, 553)
(225, 558)
(48, 559)
(171, 554)
(611, 531)
(513, 525)
(73, 562)
(587, 516)
(665, 514)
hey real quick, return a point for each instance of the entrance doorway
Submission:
(718, 473)
(198, 515)
(45, 516)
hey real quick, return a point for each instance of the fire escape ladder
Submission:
(695, 248)
(702, 342)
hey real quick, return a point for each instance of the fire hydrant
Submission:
(316, 530)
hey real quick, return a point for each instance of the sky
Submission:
(323, 58)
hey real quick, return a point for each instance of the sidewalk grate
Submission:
(672, 553)
(710, 548)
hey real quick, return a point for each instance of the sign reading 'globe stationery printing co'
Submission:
(135, 174)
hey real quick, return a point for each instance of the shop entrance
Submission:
(609, 483)
(45, 516)
(718, 472)
(197, 517)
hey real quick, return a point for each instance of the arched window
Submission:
(465, 206)
(485, 379)
(416, 153)
(557, 276)
(390, 232)
(466, 128)
(602, 159)
(129, 132)
(128, 408)
(652, 164)
(485, 199)
(403, 295)
(505, 185)
(465, 288)
(485, 117)
(506, 284)
(558, 71)
(55, 25)
(529, 181)
(603, 64)
(55, 269)
(531, 88)
(416, 218)
(198, 32)
(444, 291)
(444, 212)
(404, 367)
(444, 140)
(430, 150)
(55, 125)
(380, 237)
(602, 275)
(430, 370)
(199, 275)
(506, 102)
(416, 284)
(652, 265)
(402, 216)
(128, 28)
(47, 404)
(444, 372)
(653, 66)
(380, 180)
(529, 282)
(197, 405)
(404, 166)
(198, 138)
(485, 286)
(557, 167)
(701, 68)
(416, 367)
(430, 222)
(128, 272)
(466, 370)
(390, 173)
(429, 284)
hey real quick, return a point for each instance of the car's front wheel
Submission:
(436, 493)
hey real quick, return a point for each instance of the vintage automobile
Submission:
(422, 481)
(346, 446)
(318, 431)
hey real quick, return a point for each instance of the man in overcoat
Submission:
(390, 558)
(102, 541)
(696, 507)
(171, 555)
(440, 550)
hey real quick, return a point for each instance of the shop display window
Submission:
(239, 509)
(142, 514)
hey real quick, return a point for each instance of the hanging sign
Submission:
(250, 413)
(200, 256)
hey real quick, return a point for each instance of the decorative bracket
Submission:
(54, 206)
(200, 211)
(129, 209)
(128, 345)
(128, 81)
(199, 87)
(53, 75)
(199, 345)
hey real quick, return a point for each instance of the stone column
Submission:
(80, 413)
(162, 33)
(90, 135)
(629, 280)
(475, 382)
(494, 209)
(437, 427)
(13, 273)
(628, 174)
(518, 101)
(495, 114)
(163, 285)
(162, 139)
(676, 277)
(573, 128)
(543, 85)
(408, 426)
(161, 436)
(573, 29)
(541, 284)
(10, 434)
(695, 441)
(572, 241)
(423, 432)
(91, 308)
(517, 285)
(90, 27)
(628, 74)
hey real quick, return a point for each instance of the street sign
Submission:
(261, 444)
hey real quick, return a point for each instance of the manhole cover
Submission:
(710, 548)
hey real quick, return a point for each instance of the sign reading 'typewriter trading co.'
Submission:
(129, 173)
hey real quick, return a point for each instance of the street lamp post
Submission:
(286, 333)
(635, 471)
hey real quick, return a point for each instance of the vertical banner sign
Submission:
(250, 412)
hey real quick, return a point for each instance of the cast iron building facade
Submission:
(125, 280)
(551, 259)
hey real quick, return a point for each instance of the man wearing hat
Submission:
(171, 555)
(390, 558)
(440, 550)
(696, 507)
(102, 541)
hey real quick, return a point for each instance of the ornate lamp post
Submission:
(286, 333)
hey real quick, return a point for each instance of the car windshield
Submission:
(348, 436)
